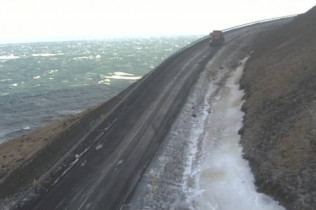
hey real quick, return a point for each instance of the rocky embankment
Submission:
(279, 134)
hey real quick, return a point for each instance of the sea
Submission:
(45, 82)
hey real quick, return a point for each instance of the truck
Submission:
(217, 38)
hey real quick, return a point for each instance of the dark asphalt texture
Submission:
(110, 173)
(104, 178)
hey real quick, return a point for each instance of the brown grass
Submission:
(15, 152)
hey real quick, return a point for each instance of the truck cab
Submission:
(217, 38)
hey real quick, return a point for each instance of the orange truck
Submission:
(217, 38)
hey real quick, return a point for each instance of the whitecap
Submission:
(43, 55)
(81, 58)
(14, 84)
(105, 82)
(37, 77)
(98, 57)
(8, 57)
(53, 71)
(123, 74)
(123, 77)
(3, 80)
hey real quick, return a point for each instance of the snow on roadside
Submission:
(225, 181)
(199, 165)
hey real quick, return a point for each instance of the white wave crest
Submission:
(8, 57)
(43, 55)
(123, 76)
(53, 71)
(105, 82)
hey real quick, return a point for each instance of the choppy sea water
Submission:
(44, 82)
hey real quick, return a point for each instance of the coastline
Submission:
(30, 156)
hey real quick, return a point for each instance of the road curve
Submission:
(104, 176)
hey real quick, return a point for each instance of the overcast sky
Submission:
(47, 20)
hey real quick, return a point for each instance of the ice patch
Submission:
(120, 162)
(226, 181)
(169, 182)
(99, 146)
(83, 163)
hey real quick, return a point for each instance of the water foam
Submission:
(123, 76)
(9, 57)
(53, 71)
(105, 82)
(43, 55)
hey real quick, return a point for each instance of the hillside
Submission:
(279, 134)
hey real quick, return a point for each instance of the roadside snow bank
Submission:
(225, 181)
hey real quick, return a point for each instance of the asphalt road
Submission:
(106, 174)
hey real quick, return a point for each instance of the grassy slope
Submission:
(279, 135)
(27, 158)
